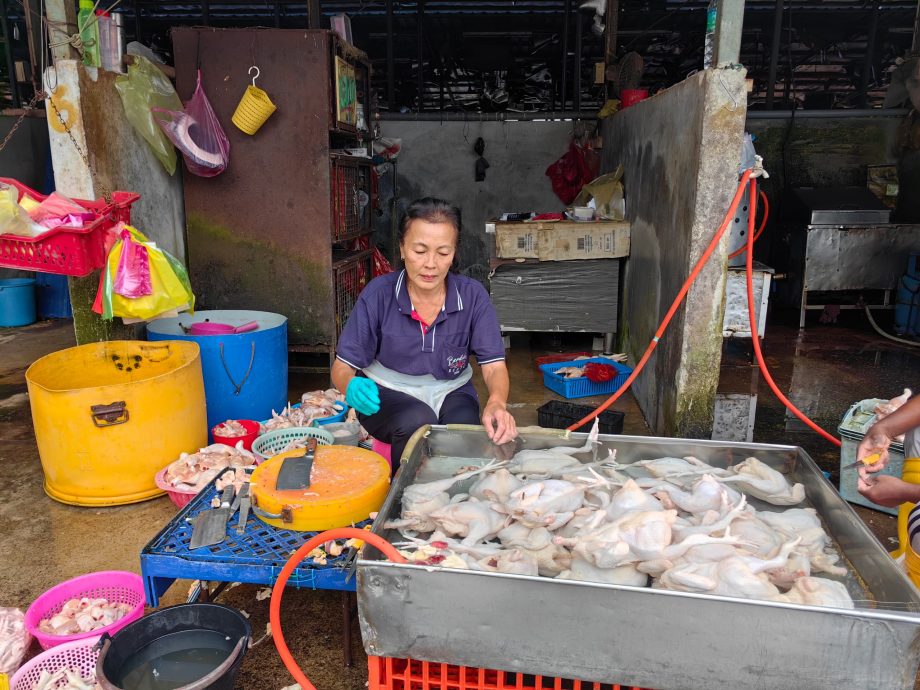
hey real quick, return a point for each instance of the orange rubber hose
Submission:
(763, 224)
(274, 612)
(755, 338)
(674, 306)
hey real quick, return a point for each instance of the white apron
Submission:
(427, 388)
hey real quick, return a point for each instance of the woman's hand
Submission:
(362, 394)
(499, 424)
(876, 441)
(888, 491)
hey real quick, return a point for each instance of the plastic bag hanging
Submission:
(197, 133)
(143, 88)
(254, 108)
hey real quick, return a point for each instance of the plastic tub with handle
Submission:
(246, 372)
(17, 301)
(108, 416)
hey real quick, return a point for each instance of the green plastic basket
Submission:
(271, 443)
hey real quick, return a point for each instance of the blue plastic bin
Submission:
(582, 387)
(245, 374)
(17, 301)
(53, 295)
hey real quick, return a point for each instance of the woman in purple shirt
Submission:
(403, 356)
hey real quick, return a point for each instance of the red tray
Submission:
(66, 251)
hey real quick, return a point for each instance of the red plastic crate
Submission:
(385, 673)
(66, 251)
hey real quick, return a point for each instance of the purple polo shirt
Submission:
(381, 327)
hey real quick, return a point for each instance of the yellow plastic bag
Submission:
(13, 217)
(171, 290)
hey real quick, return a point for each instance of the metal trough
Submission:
(640, 636)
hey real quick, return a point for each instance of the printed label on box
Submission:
(527, 243)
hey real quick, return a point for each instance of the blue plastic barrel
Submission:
(17, 301)
(53, 296)
(245, 374)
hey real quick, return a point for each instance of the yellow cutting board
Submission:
(347, 484)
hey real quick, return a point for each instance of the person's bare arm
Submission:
(341, 374)
(499, 423)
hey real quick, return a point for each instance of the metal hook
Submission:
(258, 72)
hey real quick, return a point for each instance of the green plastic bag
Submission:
(143, 88)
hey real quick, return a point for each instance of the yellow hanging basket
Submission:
(253, 110)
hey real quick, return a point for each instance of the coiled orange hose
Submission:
(274, 611)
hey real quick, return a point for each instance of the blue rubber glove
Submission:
(362, 394)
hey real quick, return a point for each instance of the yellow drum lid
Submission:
(347, 485)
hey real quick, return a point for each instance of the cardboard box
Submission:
(562, 241)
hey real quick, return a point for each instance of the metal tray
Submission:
(640, 636)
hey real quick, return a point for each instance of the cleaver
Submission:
(211, 525)
(296, 470)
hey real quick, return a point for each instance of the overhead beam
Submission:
(8, 54)
(870, 57)
(391, 59)
(566, 17)
(774, 51)
(419, 29)
(314, 15)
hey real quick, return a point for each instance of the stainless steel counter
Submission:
(850, 257)
(642, 636)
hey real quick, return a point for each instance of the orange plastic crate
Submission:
(385, 673)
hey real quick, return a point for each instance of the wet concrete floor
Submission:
(44, 542)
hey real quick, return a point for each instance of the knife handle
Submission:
(227, 497)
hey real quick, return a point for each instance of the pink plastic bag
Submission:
(132, 277)
(197, 133)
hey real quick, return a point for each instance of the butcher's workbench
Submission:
(256, 556)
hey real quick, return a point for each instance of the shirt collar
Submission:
(452, 303)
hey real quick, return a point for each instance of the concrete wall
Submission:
(117, 158)
(823, 152)
(437, 159)
(680, 151)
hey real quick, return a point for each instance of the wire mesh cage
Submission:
(351, 198)
(349, 275)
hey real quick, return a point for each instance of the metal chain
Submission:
(30, 106)
(106, 192)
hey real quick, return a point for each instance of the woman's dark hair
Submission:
(430, 210)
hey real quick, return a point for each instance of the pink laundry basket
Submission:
(117, 586)
(79, 655)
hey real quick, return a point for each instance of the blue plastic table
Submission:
(256, 556)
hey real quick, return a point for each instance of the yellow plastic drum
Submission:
(347, 485)
(108, 416)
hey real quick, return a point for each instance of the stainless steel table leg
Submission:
(608, 343)
(803, 309)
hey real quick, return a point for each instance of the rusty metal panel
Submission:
(259, 234)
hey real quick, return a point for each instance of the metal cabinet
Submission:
(277, 230)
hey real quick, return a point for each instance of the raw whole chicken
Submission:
(621, 575)
(630, 499)
(663, 468)
(688, 525)
(763, 482)
(549, 503)
(495, 486)
(735, 576)
(473, 520)
(421, 499)
(706, 494)
(818, 591)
